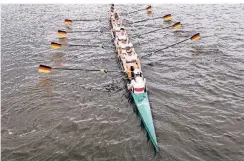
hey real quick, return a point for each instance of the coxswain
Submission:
(138, 83)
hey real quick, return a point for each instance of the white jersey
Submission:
(116, 28)
(138, 84)
(122, 46)
(131, 59)
(123, 52)
(121, 36)
(124, 37)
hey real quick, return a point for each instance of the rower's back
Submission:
(139, 84)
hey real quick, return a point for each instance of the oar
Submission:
(62, 33)
(58, 46)
(165, 18)
(193, 38)
(175, 26)
(149, 8)
(68, 21)
(83, 31)
(65, 32)
(48, 69)
(86, 20)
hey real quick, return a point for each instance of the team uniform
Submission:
(130, 62)
(138, 84)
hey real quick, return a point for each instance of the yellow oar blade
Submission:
(44, 69)
(67, 21)
(167, 17)
(177, 25)
(149, 9)
(103, 71)
(195, 37)
(61, 34)
(55, 45)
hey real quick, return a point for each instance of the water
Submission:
(196, 89)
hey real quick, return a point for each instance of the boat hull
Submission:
(142, 103)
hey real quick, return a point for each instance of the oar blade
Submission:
(149, 9)
(67, 21)
(61, 34)
(103, 71)
(195, 37)
(176, 25)
(55, 45)
(167, 17)
(44, 69)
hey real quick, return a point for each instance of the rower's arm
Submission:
(138, 62)
(112, 33)
(127, 41)
(127, 38)
(119, 51)
(131, 85)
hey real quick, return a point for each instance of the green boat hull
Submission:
(144, 110)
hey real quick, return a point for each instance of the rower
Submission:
(122, 33)
(121, 44)
(112, 12)
(130, 45)
(117, 24)
(138, 84)
(131, 61)
(115, 20)
(116, 17)
(114, 31)
(123, 54)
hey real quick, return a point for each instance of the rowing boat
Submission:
(143, 107)
(140, 97)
